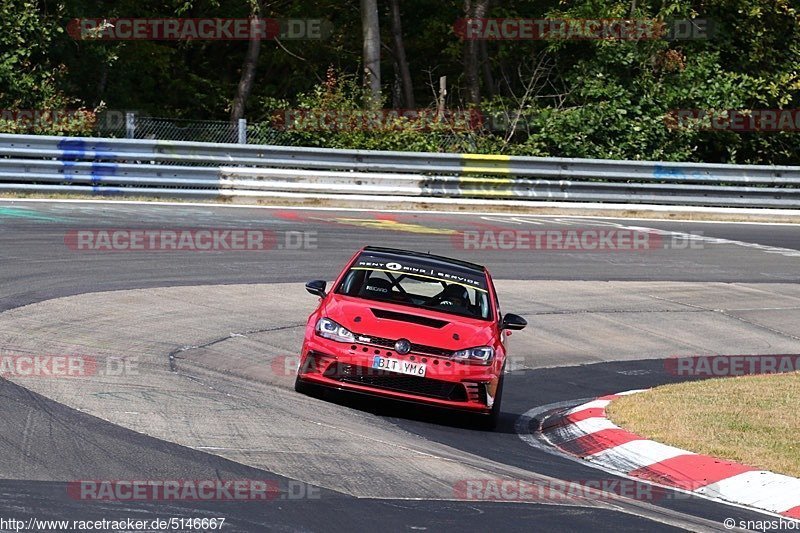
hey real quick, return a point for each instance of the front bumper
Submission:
(447, 383)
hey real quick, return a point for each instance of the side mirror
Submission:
(317, 287)
(512, 321)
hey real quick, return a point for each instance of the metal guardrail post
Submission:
(130, 125)
(242, 131)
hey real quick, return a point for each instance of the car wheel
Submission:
(302, 387)
(489, 422)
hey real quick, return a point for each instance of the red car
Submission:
(410, 326)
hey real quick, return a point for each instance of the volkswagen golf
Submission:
(410, 326)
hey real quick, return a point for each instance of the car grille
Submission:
(416, 348)
(432, 388)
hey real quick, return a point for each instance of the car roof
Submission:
(433, 260)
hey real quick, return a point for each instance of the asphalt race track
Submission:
(208, 338)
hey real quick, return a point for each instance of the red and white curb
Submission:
(586, 432)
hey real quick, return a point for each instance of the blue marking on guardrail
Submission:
(72, 149)
(663, 172)
(66, 169)
(100, 170)
(660, 171)
(75, 150)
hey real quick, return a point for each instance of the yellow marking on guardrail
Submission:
(485, 164)
(488, 181)
(486, 170)
(487, 157)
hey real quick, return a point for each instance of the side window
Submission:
(352, 282)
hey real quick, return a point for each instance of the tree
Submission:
(28, 80)
(245, 86)
(400, 54)
(370, 29)
(32, 95)
(474, 9)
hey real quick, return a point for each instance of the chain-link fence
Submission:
(185, 130)
(133, 126)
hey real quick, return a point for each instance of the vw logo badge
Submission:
(402, 346)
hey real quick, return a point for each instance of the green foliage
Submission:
(29, 81)
(590, 98)
(331, 115)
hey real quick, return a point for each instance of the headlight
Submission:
(331, 330)
(481, 354)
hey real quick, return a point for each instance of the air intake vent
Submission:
(381, 379)
(414, 319)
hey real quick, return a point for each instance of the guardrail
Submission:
(176, 168)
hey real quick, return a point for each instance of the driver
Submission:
(455, 295)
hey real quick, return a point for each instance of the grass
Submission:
(754, 420)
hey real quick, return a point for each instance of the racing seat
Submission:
(376, 289)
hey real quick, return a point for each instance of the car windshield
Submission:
(427, 291)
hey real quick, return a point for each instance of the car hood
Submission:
(391, 321)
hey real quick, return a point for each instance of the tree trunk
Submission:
(486, 68)
(473, 9)
(370, 30)
(250, 63)
(102, 83)
(400, 55)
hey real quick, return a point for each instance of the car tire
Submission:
(489, 422)
(302, 387)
